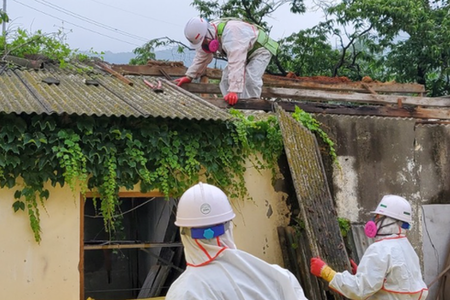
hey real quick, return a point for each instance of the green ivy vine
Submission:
(313, 125)
(104, 154)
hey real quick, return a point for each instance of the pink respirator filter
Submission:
(213, 46)
(370, 229)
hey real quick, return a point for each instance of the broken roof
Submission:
(47, 89)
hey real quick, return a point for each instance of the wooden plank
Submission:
(269, 91)
(132, 246)
(114, 73)
(312, 95)
(175, 70)
(314, 289)
(146, 70)
(326, 96)
(327, 108)
(273, 80)
(129, 194)
(286, 250)
(81, 249)
(360, 87)
(159, 280)
(148, 283)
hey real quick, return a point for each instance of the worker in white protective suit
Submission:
(390, 268)
(247, 48)
(216, 270)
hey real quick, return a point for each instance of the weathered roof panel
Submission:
(25, 91)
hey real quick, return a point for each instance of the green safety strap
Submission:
(263, 39)
(220, 28)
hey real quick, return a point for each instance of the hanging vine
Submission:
(313, 125)
(104, 154)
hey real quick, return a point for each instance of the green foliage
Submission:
(344, 226)
(146, 51)
(314, 126)
(25, 45)
(3, 17)
(143, 54)
(253, 11)
(102, 155)
(409, 38)
(259, 136)
(308, 52)
(38, 45)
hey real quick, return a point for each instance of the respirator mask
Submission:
(212, 44)
(373, 226)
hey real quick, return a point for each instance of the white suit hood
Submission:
(218, 271)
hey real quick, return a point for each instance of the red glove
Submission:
(354, 266)
(317, 265)
(180, 81)
(231, 98)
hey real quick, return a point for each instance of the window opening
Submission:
(140, 259)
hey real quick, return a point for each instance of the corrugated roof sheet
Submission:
(23, 91)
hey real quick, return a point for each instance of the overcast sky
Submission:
(121, 26)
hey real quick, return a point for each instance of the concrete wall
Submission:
(436, 243)
(379, 156)
(49, 270)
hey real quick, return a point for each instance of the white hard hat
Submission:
(195, 31)
(203, 205)
(395, 207)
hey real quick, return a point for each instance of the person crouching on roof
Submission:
(216, 269)
(247, 48)
(389, 268)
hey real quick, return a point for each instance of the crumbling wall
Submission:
(379, 155)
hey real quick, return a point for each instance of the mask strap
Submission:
(383, 225)
(213, 45)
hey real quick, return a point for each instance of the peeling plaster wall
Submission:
(379, 156)
(257, 219)
(346, 183)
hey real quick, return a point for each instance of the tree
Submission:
(3, 17)
(307, 52)
(254, 11)
(46, 46)
(410, 36)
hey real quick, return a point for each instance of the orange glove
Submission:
(180, 81)
(320, 269)
(354, 266)
(231, 98)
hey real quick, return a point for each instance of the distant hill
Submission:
(118, 58)
(168, 55)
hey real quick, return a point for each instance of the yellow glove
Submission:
(321, 269)
(327, 273)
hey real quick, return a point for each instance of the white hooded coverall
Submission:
(219, 271)
(388, 270)
(242, 75)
